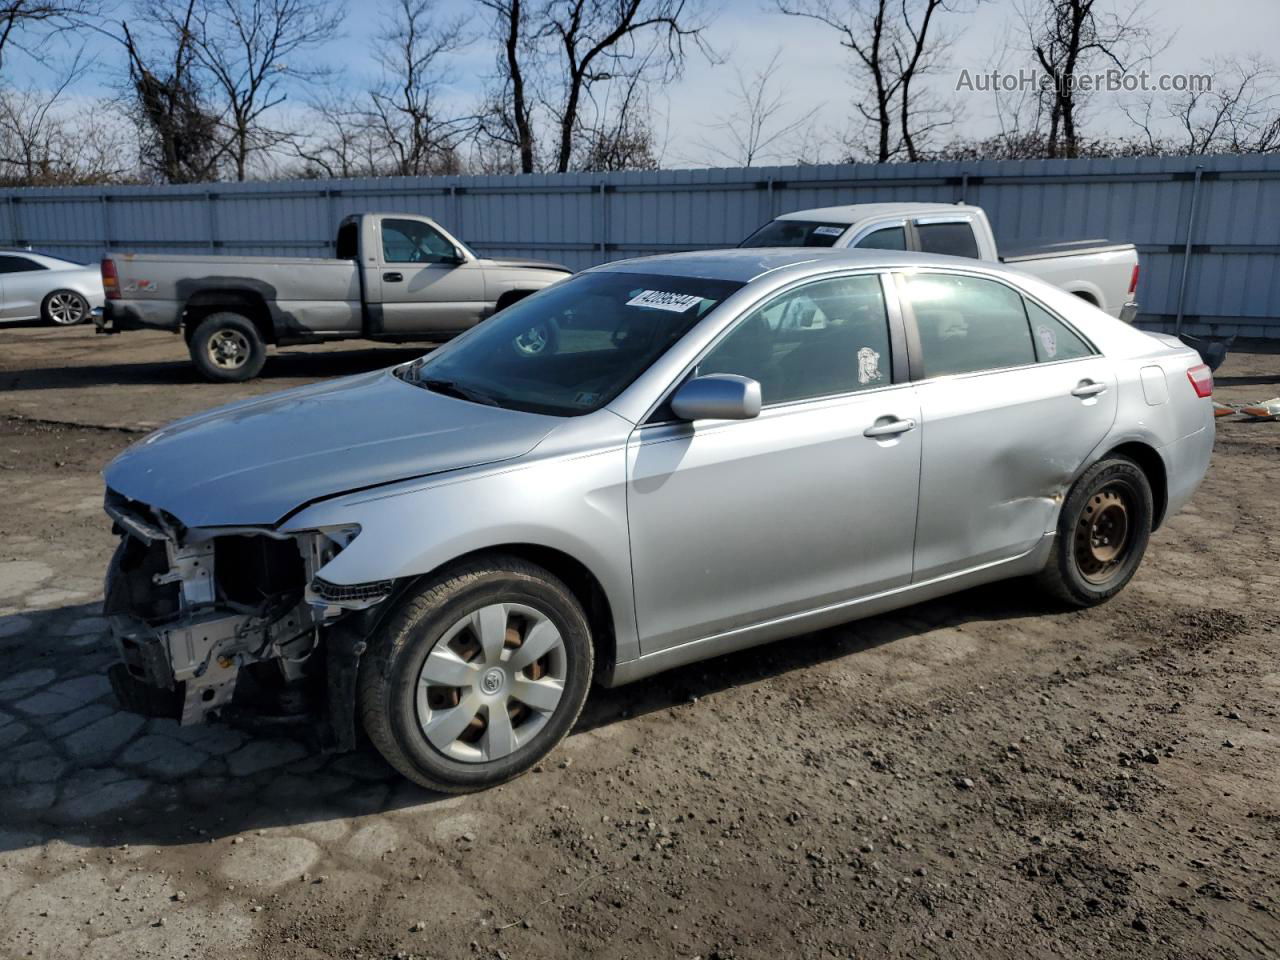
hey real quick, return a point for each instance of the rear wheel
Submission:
(1102, 533)
(477, 675)
(65, 308)
(227, 347)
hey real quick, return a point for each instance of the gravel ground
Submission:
(976, 777)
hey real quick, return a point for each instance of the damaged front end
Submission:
(234, 623)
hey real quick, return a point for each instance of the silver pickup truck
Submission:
(1099, 272)
(397, 278)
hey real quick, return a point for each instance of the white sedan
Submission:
(37, 286)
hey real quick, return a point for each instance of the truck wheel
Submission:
(66, 308)
(227, 347)
(1102, 534)
(477, 675)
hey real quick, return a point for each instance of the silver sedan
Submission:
(651, 463)
(37, 286)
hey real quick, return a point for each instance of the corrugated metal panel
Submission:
(1233, 283)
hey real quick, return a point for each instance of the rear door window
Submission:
(886, 238)
(968, 324)
(951, 239)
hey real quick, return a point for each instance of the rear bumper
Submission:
(120, 315)
(1186, 462)
(1129, 312)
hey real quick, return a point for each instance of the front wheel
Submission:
(65, 308)
(477, 675)
(227, 347)
(1102, 533)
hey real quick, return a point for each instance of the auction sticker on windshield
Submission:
(661, 300)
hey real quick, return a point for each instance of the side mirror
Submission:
(718, 396)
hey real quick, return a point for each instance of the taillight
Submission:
(1133, 280)
(110, 279)
(1201, 378)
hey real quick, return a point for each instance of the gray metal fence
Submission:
(1208, 229)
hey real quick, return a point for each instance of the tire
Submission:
(64, 308)
(473, 622)
(227, 347)
(1102, 534)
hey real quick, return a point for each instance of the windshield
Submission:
(796, 233)
(573, 347)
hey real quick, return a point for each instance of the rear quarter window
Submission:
(950, 239)
(1053, 339)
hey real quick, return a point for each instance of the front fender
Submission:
(575, 504)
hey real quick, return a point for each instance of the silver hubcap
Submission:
(66, 308)
(491, 682)
(228, 349)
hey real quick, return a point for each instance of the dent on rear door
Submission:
(1000, 451)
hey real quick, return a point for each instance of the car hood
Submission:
(254, 462)
(525, 264)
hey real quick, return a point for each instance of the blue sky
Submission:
(814, 71)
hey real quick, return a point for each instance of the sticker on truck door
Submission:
(661, 300)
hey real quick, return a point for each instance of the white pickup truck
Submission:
(1102, 273)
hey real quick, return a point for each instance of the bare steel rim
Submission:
(491, 682)
(228, 349)
(67, 307)
(1103, 533)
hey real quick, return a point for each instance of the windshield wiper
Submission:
(451, 389)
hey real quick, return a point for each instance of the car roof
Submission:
(853, 212)
(744, 264)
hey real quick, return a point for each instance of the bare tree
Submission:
(406, 111)
(339, 142)
(247, 47)
(599, 41)
(621, 135)
(1072, 38)
(756, 127)
(1239, 112)
(179, 131)
(45, 141)
(18, 17)
(895, 42)
(507, 117)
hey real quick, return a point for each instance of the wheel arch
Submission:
(1153, 466)
(509, 297)
(250, 303)
(577, 576)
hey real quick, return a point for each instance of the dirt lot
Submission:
(976, 777)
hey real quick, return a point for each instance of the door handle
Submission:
(1087, 388)
(890, 429)
(393, 277)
